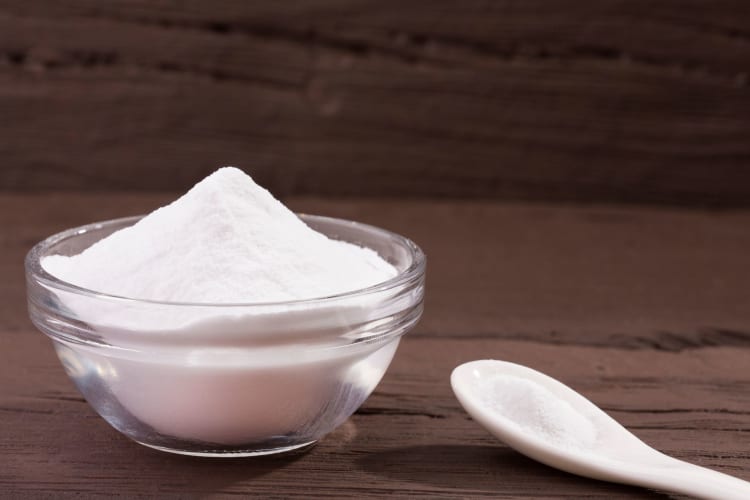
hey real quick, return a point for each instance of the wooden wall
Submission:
(585, 100)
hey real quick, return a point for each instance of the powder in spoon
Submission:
(227, 240)
(538, 411)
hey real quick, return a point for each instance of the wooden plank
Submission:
(504, 100)
(410, 440)
(601, 276)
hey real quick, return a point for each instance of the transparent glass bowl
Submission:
(227, 379)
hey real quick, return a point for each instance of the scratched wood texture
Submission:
(586, 100)
(643, 310)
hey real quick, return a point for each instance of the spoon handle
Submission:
(683, 477)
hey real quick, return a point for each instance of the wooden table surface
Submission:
(645, 311)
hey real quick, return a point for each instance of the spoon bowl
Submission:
(615, 454)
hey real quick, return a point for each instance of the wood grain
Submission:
(642, 310)
(602, 276)
(576, 101)
(410, 440)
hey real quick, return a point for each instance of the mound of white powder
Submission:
(227, 240)
(536, 410)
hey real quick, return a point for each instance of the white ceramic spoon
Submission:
(616, 455)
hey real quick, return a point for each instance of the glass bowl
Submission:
(227, 379)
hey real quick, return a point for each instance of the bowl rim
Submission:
(35, 270)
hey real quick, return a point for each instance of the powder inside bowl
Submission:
(227, 240)
(213, 377)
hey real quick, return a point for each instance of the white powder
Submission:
(538, 411)
(227, 240)
(227, 375)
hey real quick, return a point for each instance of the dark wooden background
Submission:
(585, 100)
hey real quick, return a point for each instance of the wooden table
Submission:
(645, 311)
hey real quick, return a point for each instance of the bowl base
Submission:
(231, 453)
